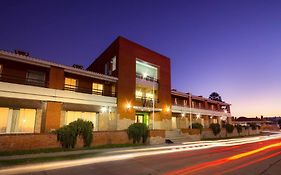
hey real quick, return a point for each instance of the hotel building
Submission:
(127, 83)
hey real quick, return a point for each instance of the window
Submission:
(176, 102)
(138, 94)
(193, 104)
(97, 88)
(185, 102)
(17, 120)
(71, 116)
(113, 90)
(70, 84)
(35, 78)
(1, 68)
(146, 71)
(199, 105)
(113, 63)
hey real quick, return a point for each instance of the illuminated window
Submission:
(113, 63)
(4, 112)
(17, 121)
(71, 116)
(138, 94)
(97, 88)
(70, 83)
(113, 90)
(146, 70)
(1, 68)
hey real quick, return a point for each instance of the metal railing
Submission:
(23, 80)
(147, 102)
(89, 90)
(148, 78)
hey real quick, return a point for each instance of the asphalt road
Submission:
(262, 157)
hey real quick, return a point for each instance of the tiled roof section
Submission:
(182, 94)
(44, 63)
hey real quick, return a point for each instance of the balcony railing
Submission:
(147, 102)
(198, 107)
(148, 78)
(89, 90)
(23, 80)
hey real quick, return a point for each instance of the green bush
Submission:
(138, 132)
(239, 128)
(215, 128)
(197, 126)
(229, 128)
(67, 135)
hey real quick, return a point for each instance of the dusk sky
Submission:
(232, 47)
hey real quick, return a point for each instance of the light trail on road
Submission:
(187, 148)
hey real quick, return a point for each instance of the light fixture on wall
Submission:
(103, 109)
(182, 114)
(168, 109)
(198, 116)
(128, 106)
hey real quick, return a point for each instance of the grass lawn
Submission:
(6, 163)
(53, 150)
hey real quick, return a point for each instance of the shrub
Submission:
(253, 126)
(229, 128)
(138, 132)
(197, 126)
(239, 128)
(215, 128)
(67, 135)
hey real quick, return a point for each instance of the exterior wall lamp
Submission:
(128, 106)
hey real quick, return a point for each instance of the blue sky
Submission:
(232, 47)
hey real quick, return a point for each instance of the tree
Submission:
(215, 96)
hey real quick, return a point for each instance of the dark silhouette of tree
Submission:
(215, 96)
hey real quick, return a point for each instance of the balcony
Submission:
(146, 102)
(89, 90)
(147, 78)
(23, 80)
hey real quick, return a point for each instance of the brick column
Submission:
(53, 114)
(56, 78)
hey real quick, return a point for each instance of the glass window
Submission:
(113, 90)
(35, 78)
(4, 114)
(146, 70)
(185, 102)
(1, 68)
(17, 120)
(113, 62)
(70, 83)
(97, 88)
(138, 94)
(71, 116)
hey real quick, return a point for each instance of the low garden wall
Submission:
(208, 133)
(156, 137)
(11, 142)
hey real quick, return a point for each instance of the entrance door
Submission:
(139, 118)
